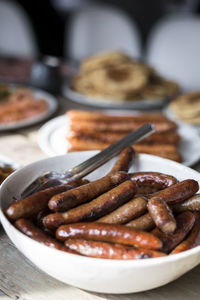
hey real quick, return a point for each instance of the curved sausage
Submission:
(173, 194)
(153, 179)
(144, 222)
(109, 233)
(27, 227)
(110, 251)
(94, 209)
(36, 202)
(66, 200)
(124, 161)
(192, 204)
(161, 215)
(185, 222)
(193, 238)
(178, 192)
(132, 209)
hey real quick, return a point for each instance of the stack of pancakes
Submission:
(187, 107)
(118, 77)
(95, 131)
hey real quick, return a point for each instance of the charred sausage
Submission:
(110, 251)
(132, 209)
(95, 209)
(109, 233)
(35, 203)
(161, 215)
(153, 179)
(124, 161)
(193, 238)
(66, 200)
(185, 222)
(27, 227)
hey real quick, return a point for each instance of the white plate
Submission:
(52, 140)
(169, 113)
(38, 94)
(134, 104)
(94, 274)
(7, 160)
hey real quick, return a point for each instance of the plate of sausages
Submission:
(135, 215)
(82, 130)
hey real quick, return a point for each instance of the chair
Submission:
(16, 34)
(98, 28)
(173, 49)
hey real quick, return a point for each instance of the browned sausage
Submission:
(77, 115)
(192, 204)
(146, 190)
(161, 215)
(87, 127)
(37, 234)
(179, 191)
(66, 200)
(35, 203)
(109, 233)
(173, 194)
(144, 222)
(82, 143)
(193, 238)
(124, 161)
(185, 222)
(153, 179)
(166, 138)
(94, 209)
(134, 208)
(110, 251)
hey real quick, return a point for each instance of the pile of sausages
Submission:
(119, 216)
(95, 131)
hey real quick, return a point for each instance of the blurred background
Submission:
(166, 34)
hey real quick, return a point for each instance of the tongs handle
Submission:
(99, 159)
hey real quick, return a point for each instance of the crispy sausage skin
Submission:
(98, 207)
(110, 251)
(178, 192)
(153, 179)
(27, 227)
(33, 204)
(130, 210)
(173, 194)
(185, 222)
(192, 204)
(145, 222)
(193, 238)
(66, 200)
(109, 233)
(161, 215)
(124, 161)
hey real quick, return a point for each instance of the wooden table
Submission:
(19, 279)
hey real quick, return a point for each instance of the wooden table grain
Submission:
(20, 279)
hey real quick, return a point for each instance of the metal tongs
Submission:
(92, 163)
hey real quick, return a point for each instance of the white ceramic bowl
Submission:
(99, 275)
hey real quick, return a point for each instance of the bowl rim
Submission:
(115, 263)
